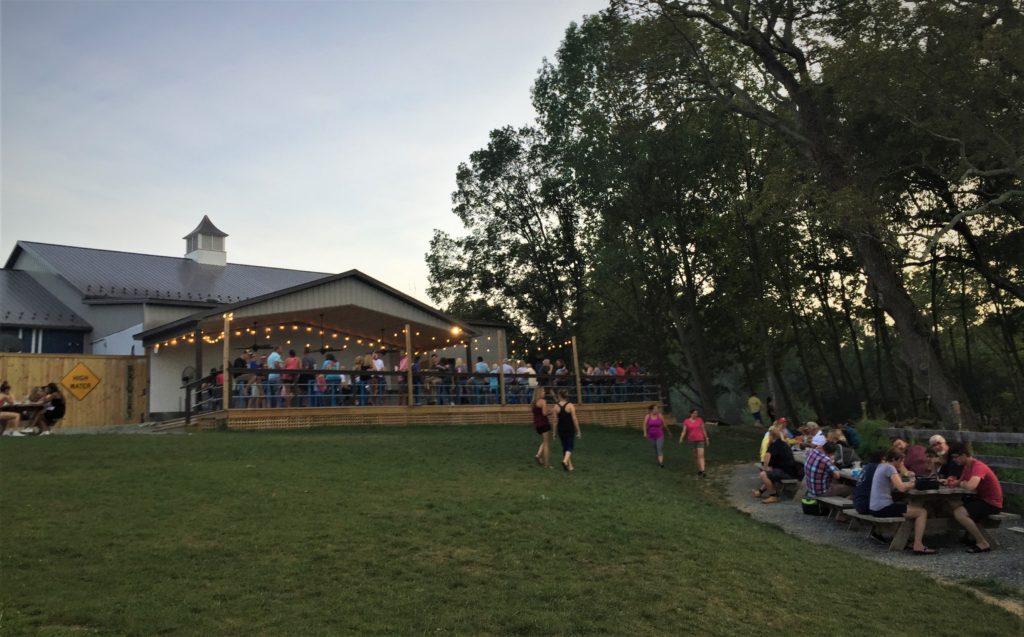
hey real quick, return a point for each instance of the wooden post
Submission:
(225, 398)
(198, 339)
(576, 366)
(408, 363)
(501, 363)
(959, 419)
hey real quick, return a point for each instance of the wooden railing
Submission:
(251, 389)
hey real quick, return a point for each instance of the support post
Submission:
(501, 363)
(197, 336)
(576, 367)
(225, 391)
(408, 364)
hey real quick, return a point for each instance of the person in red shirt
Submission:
(697, 437)
(987, 498)
(915, 457)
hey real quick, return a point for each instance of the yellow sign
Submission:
(80, 381)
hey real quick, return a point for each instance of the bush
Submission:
(871, 436)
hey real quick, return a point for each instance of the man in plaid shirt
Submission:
(820, 472)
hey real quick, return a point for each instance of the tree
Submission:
(792, 47)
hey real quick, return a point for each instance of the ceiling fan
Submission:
(256, 346)
(324, 347)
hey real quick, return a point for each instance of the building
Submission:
(64, 299)
(69, 299)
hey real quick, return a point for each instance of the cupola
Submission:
(205, 244)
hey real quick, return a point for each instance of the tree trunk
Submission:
(851, 327)
(691, 338)
(837, 342)
(919, 352)
(819, 410)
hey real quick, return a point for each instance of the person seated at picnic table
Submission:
(784, 432)
(54, 410)
(862, 492)
(845, 454)
(8, 419)
(915, 457)
(776, 465)
(886, 480)
(812, 436)
(851, 433)
(821, 474)
(985, 498)
(943, 463)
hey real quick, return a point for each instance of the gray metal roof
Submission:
(101, 275)
(26, 303)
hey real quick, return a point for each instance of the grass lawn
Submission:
(421, 530)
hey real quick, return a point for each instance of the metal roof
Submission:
(26, 303)
(104, 275)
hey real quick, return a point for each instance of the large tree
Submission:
(794, 46)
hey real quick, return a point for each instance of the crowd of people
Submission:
(898, 470)
(312, 380)
(50, 408)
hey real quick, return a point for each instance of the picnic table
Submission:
(27, 410)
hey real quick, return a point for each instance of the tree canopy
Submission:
(820, 200)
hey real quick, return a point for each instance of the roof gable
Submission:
(26, 303)
(343, 298)
(111, 275)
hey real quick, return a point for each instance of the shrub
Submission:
(871, 436)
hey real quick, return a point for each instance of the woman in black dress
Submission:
(568, 428)
(54, 411)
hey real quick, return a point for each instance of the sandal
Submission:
(539, 461)
(975, 549)
(925, 551)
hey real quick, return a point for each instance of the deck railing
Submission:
(263, 388)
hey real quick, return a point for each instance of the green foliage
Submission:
(871, 436)
(822, 199)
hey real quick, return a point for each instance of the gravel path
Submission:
(1004, 564)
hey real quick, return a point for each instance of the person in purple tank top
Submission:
(542, 425)
(654, 430)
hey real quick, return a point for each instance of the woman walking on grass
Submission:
(653, 430)
(568, 428)
(697, 437)
(542, 425)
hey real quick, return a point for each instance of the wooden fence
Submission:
(611, 415)
(112, 388)
(951, 435)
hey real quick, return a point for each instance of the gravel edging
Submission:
(1005, 564)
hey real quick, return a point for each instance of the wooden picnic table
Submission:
(940, 504)
(27, 410)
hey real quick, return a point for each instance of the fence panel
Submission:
(117, 397)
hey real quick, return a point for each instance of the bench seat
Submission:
(836, 505)
(900, 527)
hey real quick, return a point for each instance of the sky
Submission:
(319, 136)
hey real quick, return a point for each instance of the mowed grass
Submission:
(412, 531)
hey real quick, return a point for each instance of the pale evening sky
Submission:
(319, 135)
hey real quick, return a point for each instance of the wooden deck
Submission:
(613, 415)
